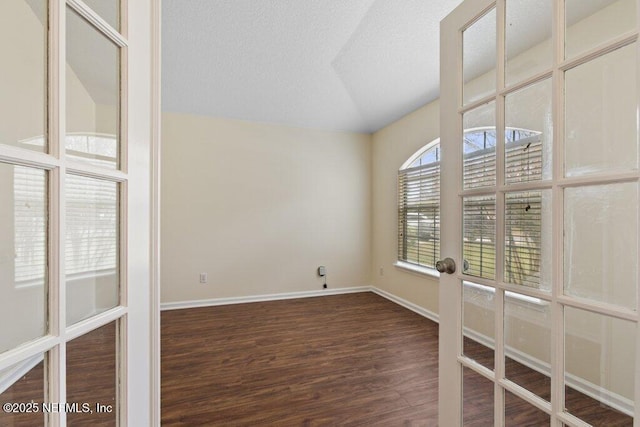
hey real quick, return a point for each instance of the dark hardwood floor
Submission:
(344, 360)
(337, 360)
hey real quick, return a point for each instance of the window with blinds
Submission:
(419, 206)
(419, 209)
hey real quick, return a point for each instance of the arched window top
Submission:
(428, 154)
(478, 139)
(475, 140)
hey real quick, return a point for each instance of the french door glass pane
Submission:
(601, 107)
(479, 236)
(600, 358)
(529, 134)
(479, 58)
(23, 76)
(527, 252)
(478, 323)
(23, 386)
(109, 10)
(479, 147)
(477, 403)
(527, 340)
(601, 243)
(528, 38)
(23, 255)
(92, 245)
(589, 23)
(92, 377)
(93, 95)
(518, 413)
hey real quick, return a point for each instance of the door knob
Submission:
(446, 265)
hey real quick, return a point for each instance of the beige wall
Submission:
(259, 207)
(392, 146)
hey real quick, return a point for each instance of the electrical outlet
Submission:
(203, 278)
(382, 271)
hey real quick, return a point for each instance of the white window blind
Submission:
(419, 210)
(91, 225)
(30, 225)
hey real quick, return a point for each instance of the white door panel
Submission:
(539, 202)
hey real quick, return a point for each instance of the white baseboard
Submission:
(260, 298)
(406, 304)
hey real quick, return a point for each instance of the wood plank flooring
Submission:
(338, 360)
(343, 360)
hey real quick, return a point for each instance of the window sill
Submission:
(488, 293)
(424, 271)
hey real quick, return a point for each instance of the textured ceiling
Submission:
(354, 65)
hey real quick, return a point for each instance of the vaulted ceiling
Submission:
(350, 65)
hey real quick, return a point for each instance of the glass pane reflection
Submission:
(527, 340)
(23, 383)
(93, 94)
(592, 22)
(528, 38)
(600, 358)
(478, 322)
(109, 10)
(23, 255)
(91, 257)
(92, 376)
(518, 413)
(479, 58)
(601, 132)
(23, 75)
(601, 243)
(478, 401)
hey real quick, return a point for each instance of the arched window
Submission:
(419, 205)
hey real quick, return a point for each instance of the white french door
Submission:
(75, 154)
(540, 207)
